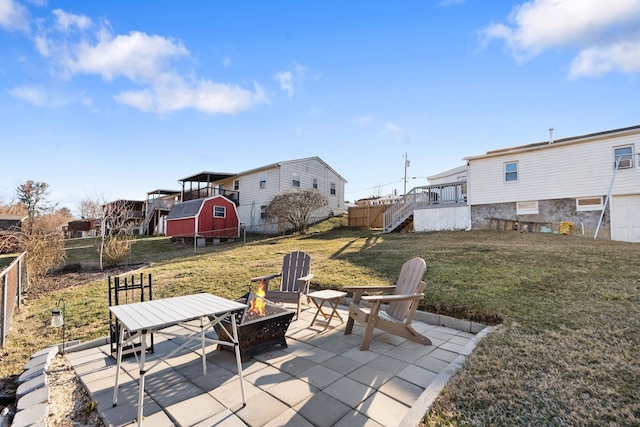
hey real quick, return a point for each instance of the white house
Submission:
(452, 175)
(445, 206)
(252, 190)
(567, 180)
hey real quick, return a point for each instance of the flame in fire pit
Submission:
(257, 305)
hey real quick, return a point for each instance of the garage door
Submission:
(625, 218)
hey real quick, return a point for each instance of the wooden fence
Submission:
(11, 281)
(367, 216)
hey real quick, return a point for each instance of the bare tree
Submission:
(91, 207)
(42, 239)
(295, 207)
(119, 220)
(32, 195)
(13, 209)
(377, 191)
(45, 248)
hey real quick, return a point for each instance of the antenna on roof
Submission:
(550, 135)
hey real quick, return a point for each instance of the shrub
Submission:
(45, 251)
(116, 250)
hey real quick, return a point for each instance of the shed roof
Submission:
(187, 209)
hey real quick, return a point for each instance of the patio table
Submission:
(140, 319)
(331, 298)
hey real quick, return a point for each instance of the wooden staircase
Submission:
(399, 217)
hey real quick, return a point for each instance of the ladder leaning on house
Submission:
(606, 200)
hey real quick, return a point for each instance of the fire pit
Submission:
(261, 326)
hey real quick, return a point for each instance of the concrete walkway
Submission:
(320, 379)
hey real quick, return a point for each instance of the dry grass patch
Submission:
(565, 352)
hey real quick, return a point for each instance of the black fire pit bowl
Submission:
(260, 333)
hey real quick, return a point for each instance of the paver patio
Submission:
(320, 379)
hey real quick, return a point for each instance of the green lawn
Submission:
(565, 351)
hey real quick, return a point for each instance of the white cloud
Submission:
(226, 61)
(396, 131)
(136, 56)
(152, 62)
(596, 61)
(86, 101)
(587, 25)
(46, 97)
(142, 100)
(67, 21)
(33, 95)
(291, 79)
(204, 96)
(363, 121)
(285, 78)
(13, 16)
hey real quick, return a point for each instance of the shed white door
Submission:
(625, 218)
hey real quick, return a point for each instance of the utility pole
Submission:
(406, 165)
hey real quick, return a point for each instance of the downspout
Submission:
(469, 228)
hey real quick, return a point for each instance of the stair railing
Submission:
(439, 195)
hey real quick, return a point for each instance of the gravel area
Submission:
(69, 403)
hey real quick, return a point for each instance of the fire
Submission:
(257, 305)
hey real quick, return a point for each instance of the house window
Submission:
(295, 180)
(333, 189)
(527, 208)
(263, 212)
(236, 185)
(623, 156)
(263, 180)
(589, 204)
(511, 171)
(315, 183)
(219, 212)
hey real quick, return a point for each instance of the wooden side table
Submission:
(330, 297)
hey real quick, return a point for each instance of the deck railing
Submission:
(200, 193)
(440, 195)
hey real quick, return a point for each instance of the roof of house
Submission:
(8, 217)
(563, 141)
(449, 172)
(217, 176)
(279, 164)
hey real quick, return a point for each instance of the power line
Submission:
(375, 186)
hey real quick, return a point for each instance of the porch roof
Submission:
(207, 177)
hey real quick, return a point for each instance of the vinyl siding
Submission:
(556, 171)
(252, 196)
(279, 178)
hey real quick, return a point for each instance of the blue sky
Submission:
(118, 98)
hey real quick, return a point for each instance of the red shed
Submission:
(208, 217)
